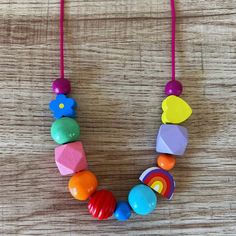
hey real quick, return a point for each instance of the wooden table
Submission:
(118, 60)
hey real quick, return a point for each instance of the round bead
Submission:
(166, 161)
(82, 185)
(61, 86)
(123, 211)
(142, 199)
(102, 204)
(173, 87)
(65, 130)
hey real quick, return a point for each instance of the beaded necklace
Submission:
(70, 158)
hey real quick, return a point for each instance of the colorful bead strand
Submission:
(70, 157)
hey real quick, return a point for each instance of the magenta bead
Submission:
(173, 87)
(61, 86)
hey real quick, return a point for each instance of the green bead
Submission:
(65, 130)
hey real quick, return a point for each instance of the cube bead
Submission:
(172, 139)
(70, 158)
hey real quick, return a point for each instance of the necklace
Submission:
(70, 158)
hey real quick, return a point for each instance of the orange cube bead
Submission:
(166, 161)
(82, 185)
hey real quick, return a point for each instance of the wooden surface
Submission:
(118, 60)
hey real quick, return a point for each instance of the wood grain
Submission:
(118, 60)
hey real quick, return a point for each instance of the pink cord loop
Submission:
(173, 29)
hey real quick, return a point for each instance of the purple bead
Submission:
(172, 139)
(61, 86)
(173, 87)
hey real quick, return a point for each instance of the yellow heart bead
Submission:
(175, 110)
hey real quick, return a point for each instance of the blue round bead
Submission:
(123, 211)
(142, 199)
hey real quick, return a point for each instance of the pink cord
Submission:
(62, 39)
(173, 24)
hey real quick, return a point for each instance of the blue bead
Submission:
(142, 199)
(123, 211)
(62, 106)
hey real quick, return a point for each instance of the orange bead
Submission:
(166, 161)
(82, 185)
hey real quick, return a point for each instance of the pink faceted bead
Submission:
(61, 86)
(173, 87)
(70, 158)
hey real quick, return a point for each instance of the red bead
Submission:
(102, 204)
(61, 86)
(173, 87)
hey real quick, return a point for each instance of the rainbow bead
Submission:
(159, 180)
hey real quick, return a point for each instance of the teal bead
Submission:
(65, 130)
(142, 199)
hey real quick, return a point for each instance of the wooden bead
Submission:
(61, 86)
(102, 204)
(159, 180)
(142, 199)
(172, 139)
(175, 110)
(70, 158)
(65, 130)
(166, 161)
(82, 185)
(62, 106)
(173, 87)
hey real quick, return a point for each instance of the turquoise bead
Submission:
(142, 199)
(65, 130)
(123, 211)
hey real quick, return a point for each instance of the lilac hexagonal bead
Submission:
(70, 158)
(172, 139)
